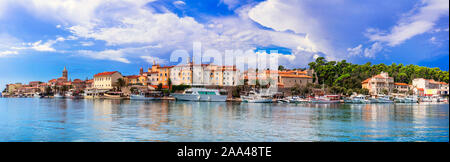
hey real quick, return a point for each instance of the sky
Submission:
(39, 37)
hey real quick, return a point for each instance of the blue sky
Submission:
(39, 37)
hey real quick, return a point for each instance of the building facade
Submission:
(379, 84)
(106, 80)
(429, 87)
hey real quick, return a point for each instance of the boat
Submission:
(256, 97)
(399, 100)
(410, 99)
(147, 96)
(37, 95)
(426, 99)
(296, 99)
(283, 101)
(57, 95)
(327, 99)
(361, 99)
(201, 94)
(114, 95)
(384, 99)
(442, 99)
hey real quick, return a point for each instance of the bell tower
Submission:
(64, 73)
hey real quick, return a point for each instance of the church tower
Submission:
(64, 73)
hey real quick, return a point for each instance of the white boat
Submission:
(359, 99)
(384, 99)
(399, 100)
(146, 96)
(296, 99)
(57, 95)
(37, 95)
(200, 94)
(426, 99)
(410, 99)
(327, 99)
(255, 97)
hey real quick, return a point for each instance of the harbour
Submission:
(64, 119)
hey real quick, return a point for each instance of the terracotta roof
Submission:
(133, 76)
(420, 89)
(403, 84)
(443, 83)
(105, 73)
(52, 81)
(77, 80)
(366, 81)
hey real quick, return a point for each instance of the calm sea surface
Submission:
(30, 119)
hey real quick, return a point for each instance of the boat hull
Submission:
(202, 98)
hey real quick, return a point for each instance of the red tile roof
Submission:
(403, 84)
(133, 76)
(105, 73)
(366, 81)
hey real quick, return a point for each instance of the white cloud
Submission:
(290, 15)
(230, 3)
(375, 48)
(134, 29)
(40, 46)
(420, 20)
(179, 3)
(113, 55)
(151, 59)
(355, 51)
(6, 53)
(88, 43)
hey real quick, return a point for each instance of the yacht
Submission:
(384, 99)
(399, 100)
(410, 99)
(327, 99)
(255, 97)
(114, 95)
(426, 99)
(146, 96)
(57, 95)
(37, 95)
(359, 99)
(296, 99)
(201, 94)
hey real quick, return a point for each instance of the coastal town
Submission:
(253, 85)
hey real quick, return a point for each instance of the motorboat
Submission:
(114, 95)
(359, 99)
(426, 99)
(384, 99)
(57, 95)
(257, 97)
(410, 99)
(296, 99)
(147, 96)
(201, 94)
(327, 99)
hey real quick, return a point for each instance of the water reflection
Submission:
(125, 120)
